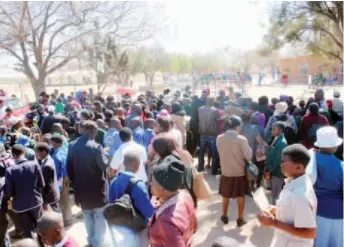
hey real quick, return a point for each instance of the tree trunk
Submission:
(147, 78)
(38, 86)
(151, 79)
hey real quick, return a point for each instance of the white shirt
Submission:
(337, 105)
(118, 157)
(296, 205)
(178, 135)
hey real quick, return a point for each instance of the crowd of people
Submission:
(129, 164)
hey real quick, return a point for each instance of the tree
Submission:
(45, 36)
(317, 26)
(108, 62)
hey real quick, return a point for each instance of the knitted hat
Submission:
(169, 174)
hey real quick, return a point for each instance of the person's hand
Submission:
(272, 211)
(266, 219)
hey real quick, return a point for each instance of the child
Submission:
(273, 160)
(50, 228)
(295, 212)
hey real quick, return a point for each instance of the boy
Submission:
(294, 216)
(273, 160)
(50, 228)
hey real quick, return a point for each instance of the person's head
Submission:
(131, 161)
(42, 150)
(336, 94)
(162, 124)
(9, 110)
(302, 103)
(110, 99)
(40, 108)
(274, 101)
(314, 109)
(295, 159)
(246, 117)
(26, 131)
(56, 141)
(149, 124)
(18, 151)
(115, 123)
(254, 106)
(297, 111)
(89, 129)
(210, 101)
(120, 112)
(136, 122)
(98, 106)
(47, 138)
(166, 91)
(319, 94)
(328, 140)
(164, 146)
(263, 100)
(277, 129)
(101, 124)
(233, 122)
(50, 228)
(290, 100)
(153, 107)
(65, 122)
(58, 128)
(222, 93)
(167, 179)
(137, 108)
(27, 242)
(125, 134)
(108, 114)
(205, 94)
(85, 115)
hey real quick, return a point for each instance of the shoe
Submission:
(224, 219)
(241, 222)
(207, 166)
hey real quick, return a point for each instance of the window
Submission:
(304, 69)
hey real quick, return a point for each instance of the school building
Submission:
(298, 68)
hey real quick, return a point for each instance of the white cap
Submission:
(281, 107)
(327, 137)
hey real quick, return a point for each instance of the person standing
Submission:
(137, 130)
(328, 186)
(234, 153)
(207, 129)
(273, 161)
(24, 183)
(112, 141)
(86, 168)
(294, 215)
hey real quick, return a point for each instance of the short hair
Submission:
(164, 123)
(125, 134)
(42, 147)
(27, 242)
(18, 149)
(89, 125)
(149, 114)
(279, 125)
(25, 131)
(232, 122)
(314, 108)
(49, 221)
(46, 137)
(297, 153)
(129, 158)
(57, 139)
(263, 100)
(246, 117)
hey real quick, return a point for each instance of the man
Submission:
(24, 183)
(207, 116)
(128, 144)
(222, 99)
(337, 103)
(59, 155)
(112, 141)
(123, 236)
(138, 132)
(47, 123)
(136, 111)
(310, 123)
(86, 168)
(50, 193)
(319, 97)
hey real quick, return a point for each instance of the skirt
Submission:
(233, 187)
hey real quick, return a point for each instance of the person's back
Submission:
(251, 132)
(207, 120)
(112, 141)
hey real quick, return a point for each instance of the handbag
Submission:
(252, 171)
(200, 186)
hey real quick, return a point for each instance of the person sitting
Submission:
(50, 228)
(124, 236)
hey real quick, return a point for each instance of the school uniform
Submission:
(51, 192)
(4, 237)
(24, 184)
(297, 205)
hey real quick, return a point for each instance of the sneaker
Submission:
(224, 219)
(241, 222)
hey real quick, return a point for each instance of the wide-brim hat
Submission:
(281, 107)
(327, 137)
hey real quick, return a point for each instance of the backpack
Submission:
(289, 133)
(122, 212)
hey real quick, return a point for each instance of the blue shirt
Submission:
(112, 141)
(59, 156)
(329, 186)
(138, 136)
(147, 138)
(139, 194)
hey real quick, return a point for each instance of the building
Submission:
(298, 68)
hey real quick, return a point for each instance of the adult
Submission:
(222, 99)
(319, 97)
(136, 111)
(328, 187)
(128, 144)
(47, 123)
(112, 141)
(179, 120)
(208, 132)
(258, 115)
(337, 103)
(123, 236)
(138, 131)
(234, 152)
(177, 134)
(87, 161)
(174, 221)
(310, 123)
(263, 107)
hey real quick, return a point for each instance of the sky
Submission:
(202, 26)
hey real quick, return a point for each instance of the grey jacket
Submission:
(207, 125)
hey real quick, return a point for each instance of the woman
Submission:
(179, 120)
(174, 222)
(234, 153)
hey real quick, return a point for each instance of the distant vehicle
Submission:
(18, 106)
